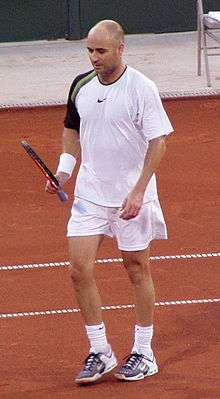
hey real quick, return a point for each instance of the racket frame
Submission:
(45, 170)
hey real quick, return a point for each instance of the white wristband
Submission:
(66, 164)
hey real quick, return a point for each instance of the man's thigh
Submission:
(83, 250)
(136, 260)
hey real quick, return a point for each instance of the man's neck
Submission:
(112, 77)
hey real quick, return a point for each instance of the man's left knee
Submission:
(137, 272)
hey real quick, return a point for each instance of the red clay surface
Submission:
(41, 354)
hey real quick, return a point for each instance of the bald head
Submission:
(109, 29)
(105, 45)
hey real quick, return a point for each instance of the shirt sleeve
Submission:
(72, 118)
(153, 120)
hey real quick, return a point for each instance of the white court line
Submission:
(111, 307)
(108, 260)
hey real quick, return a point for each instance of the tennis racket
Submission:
(44, 169)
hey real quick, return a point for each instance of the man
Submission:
(122, 126)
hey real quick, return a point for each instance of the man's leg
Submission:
(101, 359)
(141, 363)
(83, 252)
(137, 266)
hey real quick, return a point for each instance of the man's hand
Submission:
(62, 179)
(132, 205)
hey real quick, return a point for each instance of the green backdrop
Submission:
(71, 19)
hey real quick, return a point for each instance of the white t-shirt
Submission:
(116, 123)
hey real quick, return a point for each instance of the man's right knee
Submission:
(81, 275)
(82, 251)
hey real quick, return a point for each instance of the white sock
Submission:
(142, 341)
(97, 338)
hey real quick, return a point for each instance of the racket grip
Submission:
(62, 195)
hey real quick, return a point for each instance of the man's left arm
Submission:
(133, 202)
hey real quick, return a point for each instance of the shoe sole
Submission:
(95, 377)
(137, 377)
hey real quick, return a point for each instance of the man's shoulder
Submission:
(83, 75)
(79, 81)
(139, 77)
(141, 82)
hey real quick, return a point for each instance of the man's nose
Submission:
(94, 56)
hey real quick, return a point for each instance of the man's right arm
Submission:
(71, 142)
(71, 150)
(70, 145)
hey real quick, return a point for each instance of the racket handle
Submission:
(62, 195)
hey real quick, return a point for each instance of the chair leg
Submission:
(199, 52)
(199, 43)
(208, 78)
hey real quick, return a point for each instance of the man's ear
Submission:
(121, 47)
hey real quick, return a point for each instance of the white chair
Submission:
(207, 26)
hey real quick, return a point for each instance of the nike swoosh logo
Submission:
(100, 101)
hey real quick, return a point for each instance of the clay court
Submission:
(42, 340)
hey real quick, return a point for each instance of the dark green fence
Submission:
(141, 16)
(30, 20)
(71, 19)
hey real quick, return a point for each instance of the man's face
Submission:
(104, 53)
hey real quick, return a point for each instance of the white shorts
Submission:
(134, 234)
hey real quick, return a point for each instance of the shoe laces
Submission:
(90, 361)
(133, 360)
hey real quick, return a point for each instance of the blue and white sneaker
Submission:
(96, 365)
(137, 367)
